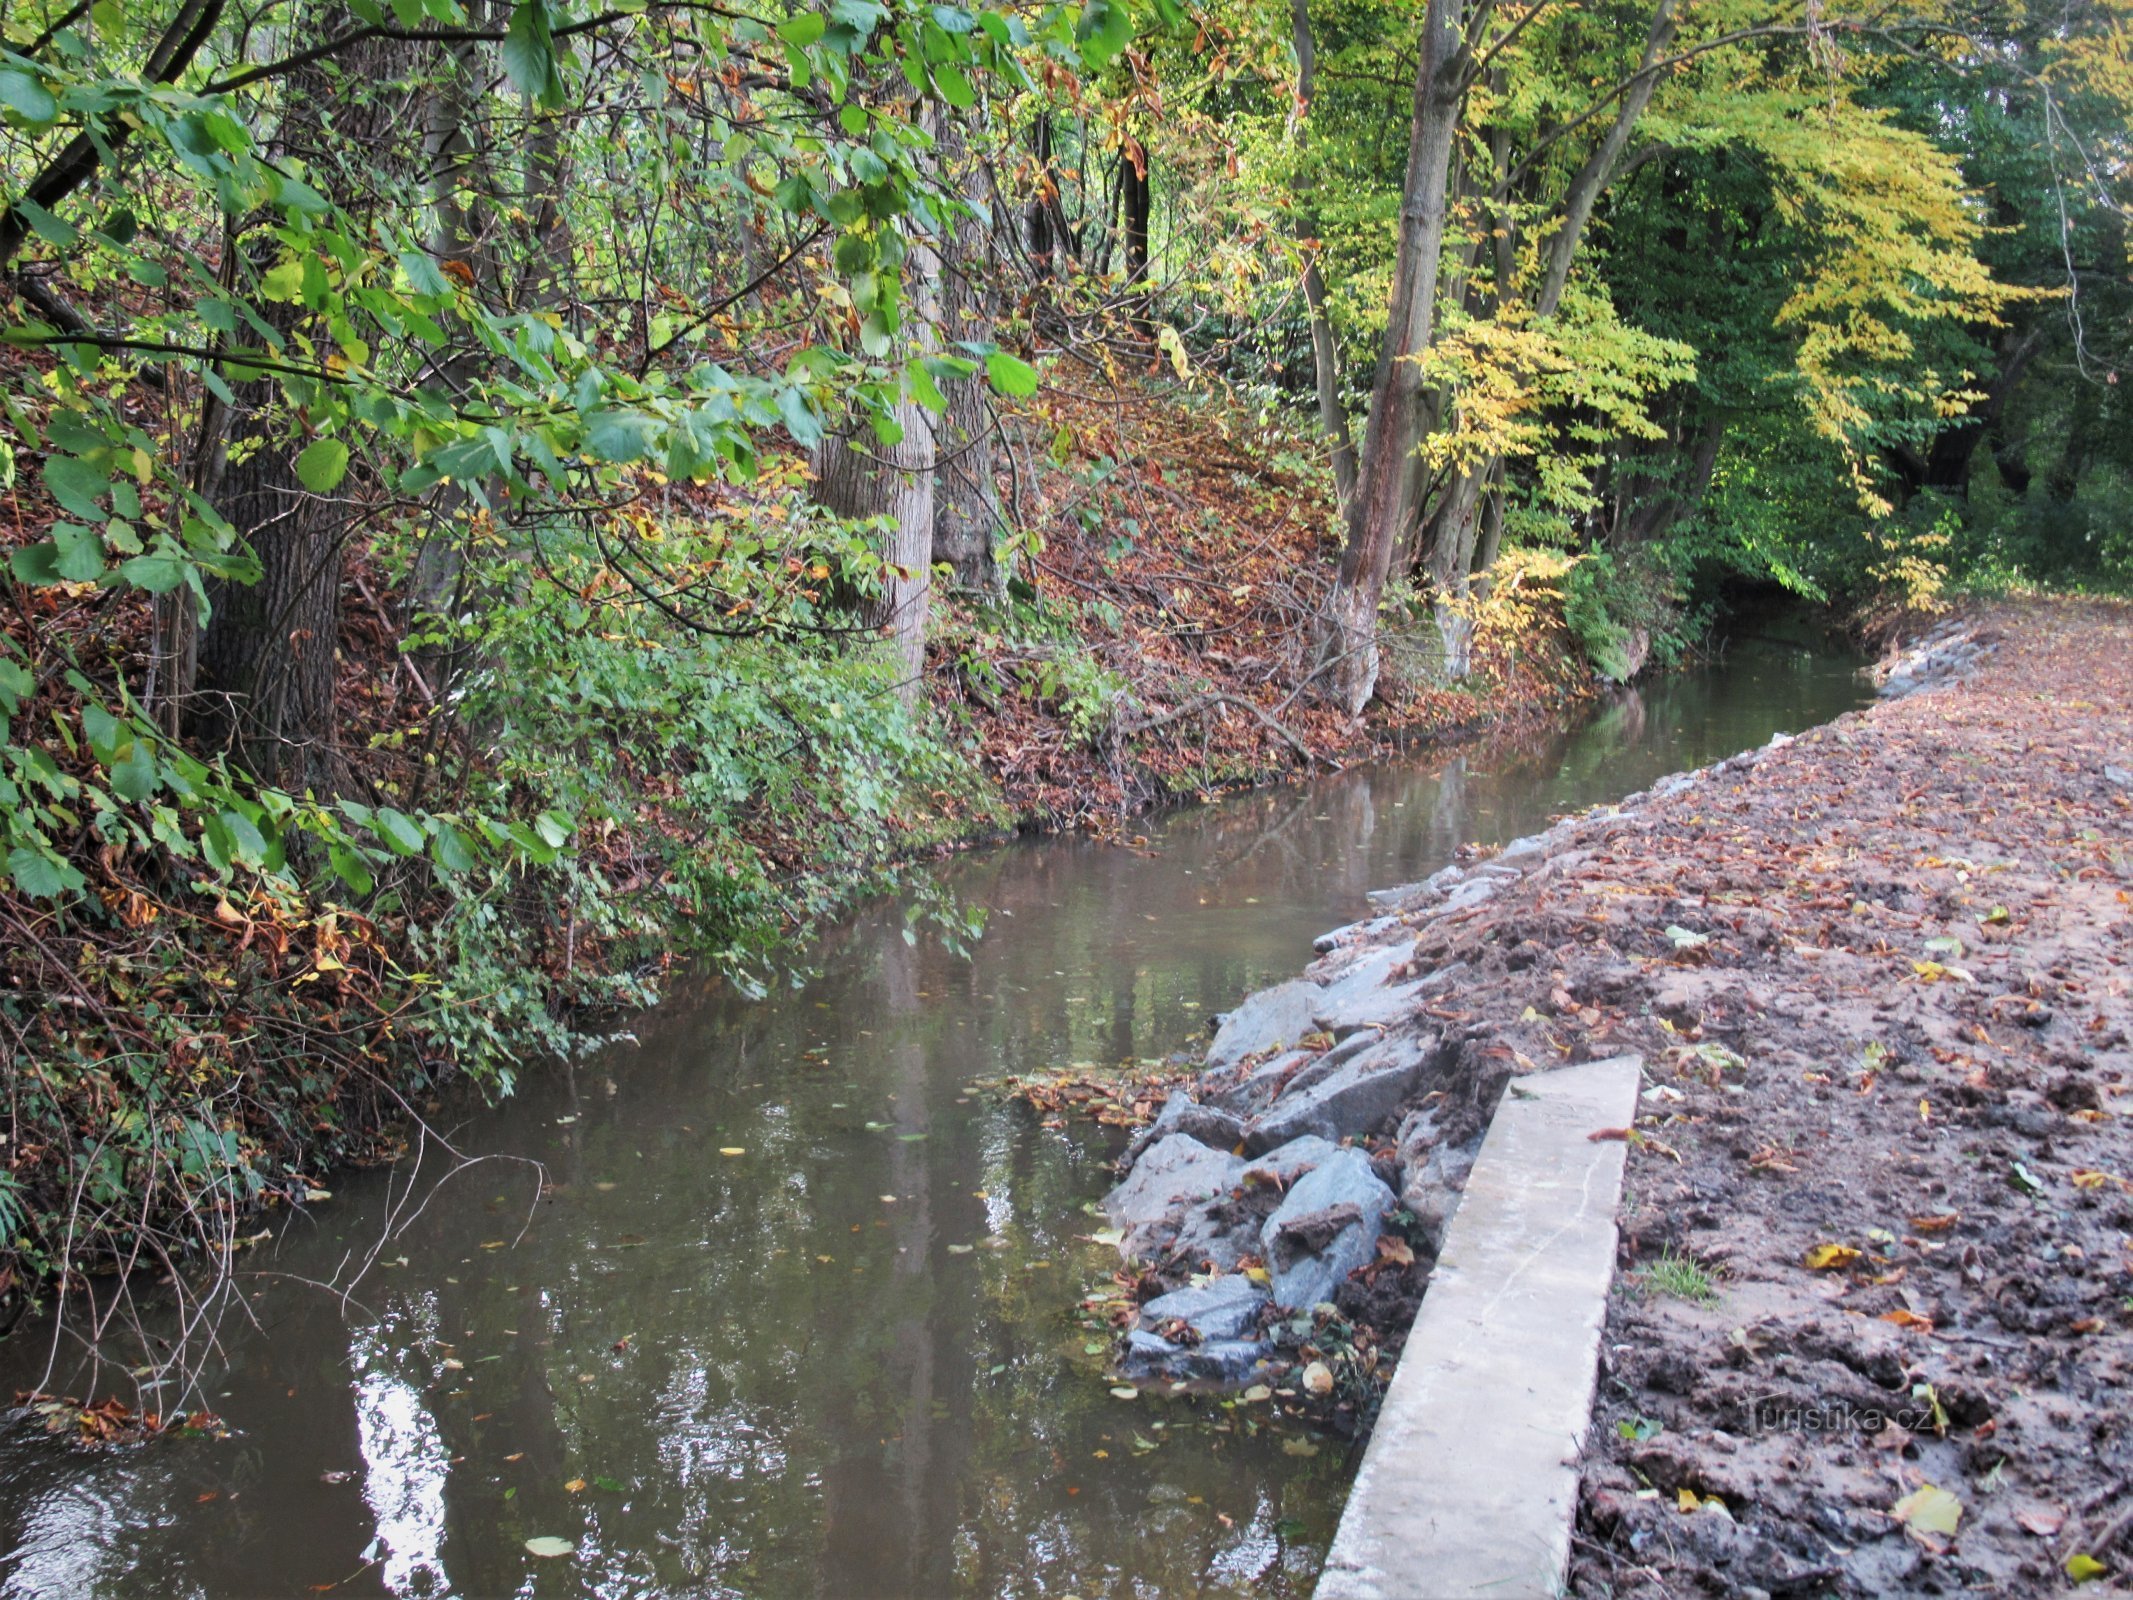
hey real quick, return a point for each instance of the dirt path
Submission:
(1875, 1315)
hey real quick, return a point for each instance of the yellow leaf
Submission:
(1929, 1510)
(1687, 1499)
(2083, 1568)
(1828, 1257)
(575, 1486)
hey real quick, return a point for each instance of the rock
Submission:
(1252, 1092)
(1473, 892)
(1324, 1229)
(1432, 1185)
(1265, 1021)
(1227, 1361)
(1173, 1176)
(1355, 933)
(1211, 1125)
(2119, 776)
(1353, 973)
(1352, 1098)
(1224, 1308)
(1291, 1161)
(1377, 1008)
(1531, 847)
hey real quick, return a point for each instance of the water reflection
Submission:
(404, 1460)
(841, 1361)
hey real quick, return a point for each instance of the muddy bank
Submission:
(1875, 1301)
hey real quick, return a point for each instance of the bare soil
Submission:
(1878, 1236)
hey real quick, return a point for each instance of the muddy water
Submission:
(793, 1315)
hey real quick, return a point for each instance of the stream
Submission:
(795, 1314)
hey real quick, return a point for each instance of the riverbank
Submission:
(230, 1001)
(1873, 1307)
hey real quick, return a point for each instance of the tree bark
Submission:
(267, 655)
(967, 504)
(896, 482)
(1325, 354)
(1389, 483)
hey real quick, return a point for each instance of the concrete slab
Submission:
(1469, 1486)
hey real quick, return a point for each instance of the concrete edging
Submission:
(1469, 1484)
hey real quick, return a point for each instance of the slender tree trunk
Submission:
(1325, 354)
(1389, 482)
(896, 482)
(967, 505)
(1136, 199)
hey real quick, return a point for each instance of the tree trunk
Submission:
(967, 505)
(896, 482)
(267, 656)
(1325, 354)
(1135, 203)
(1390, 480)
(265, 686)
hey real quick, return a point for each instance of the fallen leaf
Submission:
(548, 1547)
(1318, 1378)
(1936, 1224)
(1598, 1134)
(1258, 1392)
(1829, 1257)
(1298, 1447)
(2043, 1521)
(575, 1486)
(1908, 1319)
(2084, 1568)
(1125, 1391)
(732, 1150)
(1929, 1510)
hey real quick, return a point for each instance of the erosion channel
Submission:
(795, 1312)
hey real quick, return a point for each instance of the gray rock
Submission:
(1265, 1021)
(1353, 1098)
(1212, 1236)
(1224, 1308)
(2119, 776)
(1376, 1008)
(1252, 1092)
(1430, 1188)
(1172, 1177)
(1211, 1125)
(1531, 846)
(1325, 1228)
(1288, 1163)
(1229, 1361)
(1473, 892)
(1356, 972)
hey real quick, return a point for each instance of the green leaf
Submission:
(323, 465)
(156, 573)
(35, 564)
(804, 29)
(799, 418)
(529, 57)
(617, 436)
(75, 485)
(1011, 375)
(399, 830)
(133, 775)
(450, 850)
(41, 874)
(554, 830)
(954, 87)
(26, 97)
(81, 553)
(350, 868)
